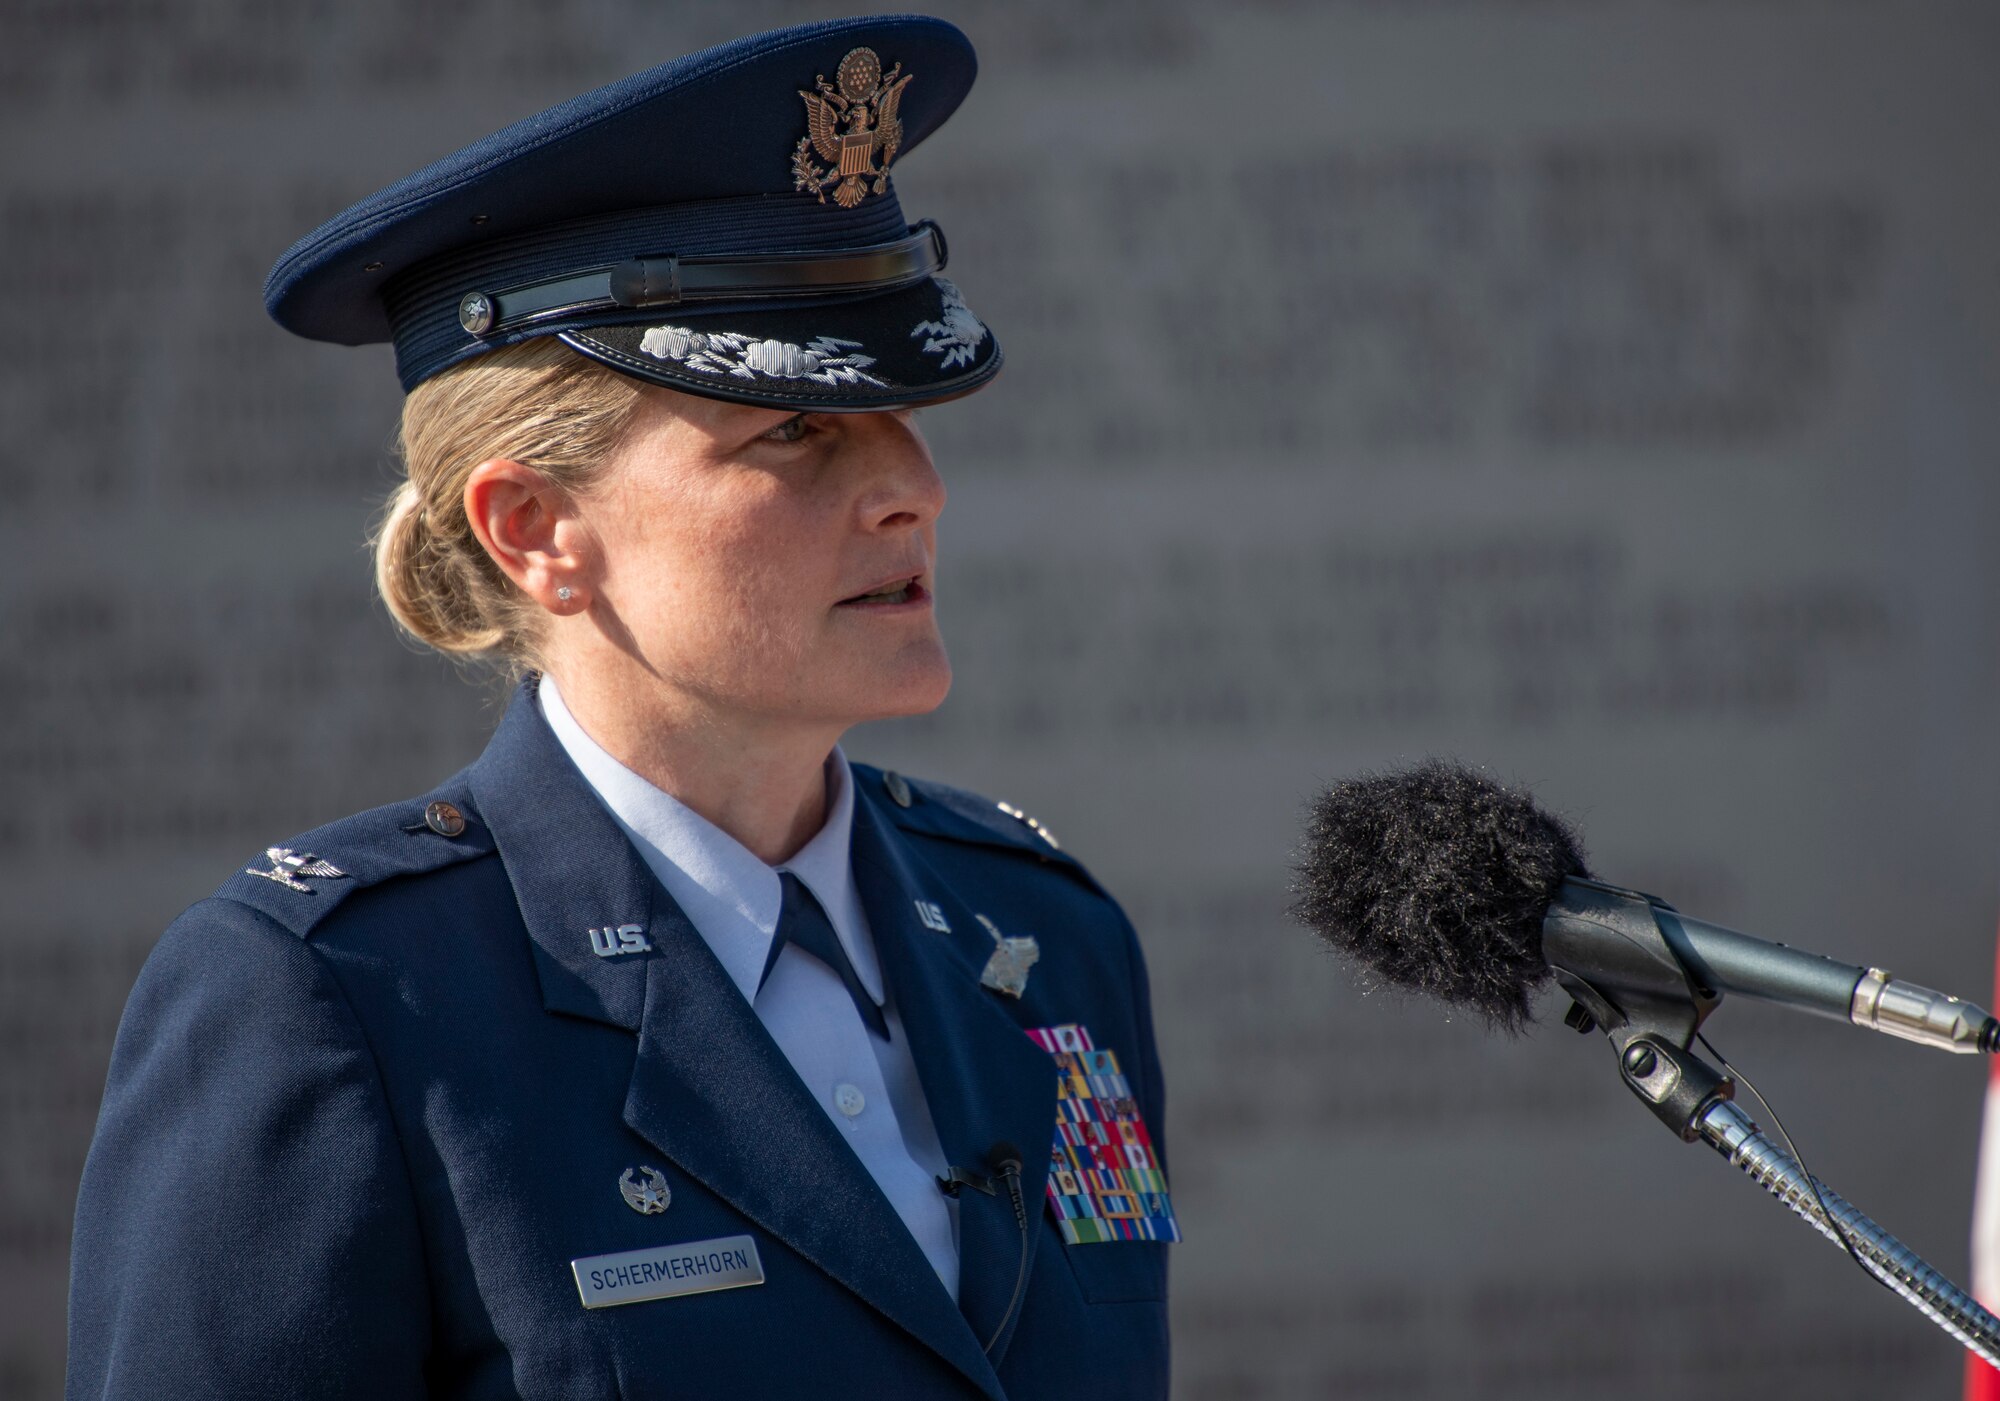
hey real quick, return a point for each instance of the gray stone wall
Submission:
(1603, 391)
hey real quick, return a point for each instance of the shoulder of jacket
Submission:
(1035, 859)
(940, 810)
(300, 881)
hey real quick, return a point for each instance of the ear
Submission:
(530, 528)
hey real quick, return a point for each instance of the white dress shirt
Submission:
(868, 1087)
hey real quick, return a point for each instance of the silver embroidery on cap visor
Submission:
(825, 359)
(959, 335)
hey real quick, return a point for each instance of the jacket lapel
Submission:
(571, 868)
(985, 1081)
(709, 1087)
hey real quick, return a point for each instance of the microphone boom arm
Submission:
(1734, 1135)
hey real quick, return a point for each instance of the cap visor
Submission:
(917, 345)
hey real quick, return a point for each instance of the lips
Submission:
(903, 588)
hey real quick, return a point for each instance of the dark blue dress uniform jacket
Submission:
(352, 1139)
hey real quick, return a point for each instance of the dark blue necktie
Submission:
(804, 923)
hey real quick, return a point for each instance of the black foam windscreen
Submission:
(1435, 879)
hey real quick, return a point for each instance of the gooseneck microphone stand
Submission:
(1732, 1133)
(1650, 1006)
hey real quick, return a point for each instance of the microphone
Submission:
(1005, 1160)
(1440, 881)
(955, 1178)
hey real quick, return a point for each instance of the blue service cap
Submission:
(723, 224)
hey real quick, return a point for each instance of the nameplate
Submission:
(694, 1267)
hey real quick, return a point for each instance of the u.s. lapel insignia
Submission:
(609, 941)
(650, 1197)
(847, 122)
(1007, 970)
(288, 865)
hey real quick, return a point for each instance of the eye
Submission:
(791, 430)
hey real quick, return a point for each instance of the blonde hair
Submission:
(539, 404)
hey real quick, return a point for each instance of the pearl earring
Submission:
(565, 593)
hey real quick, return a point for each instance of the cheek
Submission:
(722, 595)
(757, 612)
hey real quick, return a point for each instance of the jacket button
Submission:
(444, 819)
(899, 788)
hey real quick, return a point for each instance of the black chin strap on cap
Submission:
(669, 280)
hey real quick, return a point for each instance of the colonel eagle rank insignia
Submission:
(863, 101)
(288, 865)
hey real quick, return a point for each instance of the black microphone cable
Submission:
(1005, 1159)
(1826, 1212)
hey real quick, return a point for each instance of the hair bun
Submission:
(539, 404)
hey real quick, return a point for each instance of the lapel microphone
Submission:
(956, 1177)
(1005, 1159)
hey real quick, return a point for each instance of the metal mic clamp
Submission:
(955, 1177)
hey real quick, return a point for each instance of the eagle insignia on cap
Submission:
(847, 122)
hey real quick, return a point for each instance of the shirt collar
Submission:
(727, 892)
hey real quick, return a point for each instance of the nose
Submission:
(903, 490)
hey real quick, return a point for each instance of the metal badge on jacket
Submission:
(1007, 970)
(288, 865)
(650, 1197)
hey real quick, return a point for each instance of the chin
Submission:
(922, 695)
(911, 685)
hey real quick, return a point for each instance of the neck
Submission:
(762, 782)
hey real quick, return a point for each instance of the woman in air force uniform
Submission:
(662, 1052)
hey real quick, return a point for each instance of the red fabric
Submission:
(1982, 1382)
